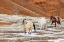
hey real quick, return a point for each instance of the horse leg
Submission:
(41, 26)
(52, 23)
(55, 24)
(30, 30)
(59, 22)
(45, 26)
(25, 30)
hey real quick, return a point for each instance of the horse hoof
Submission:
(29, 33)
(25, 32)
(34, 31)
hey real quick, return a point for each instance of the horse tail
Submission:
(34, 26)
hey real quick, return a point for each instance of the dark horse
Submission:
(55, 20)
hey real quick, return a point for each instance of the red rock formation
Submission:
(32, 7)
(51, 7)
(4, 23)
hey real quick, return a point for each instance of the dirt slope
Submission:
(51, 7)
(32, 7)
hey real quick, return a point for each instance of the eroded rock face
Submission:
(62, 1)
(51, 7)
(43, 7)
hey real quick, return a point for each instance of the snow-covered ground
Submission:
(53, 34)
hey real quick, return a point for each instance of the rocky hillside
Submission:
(51, 7)
(19, 7)
(32, 7)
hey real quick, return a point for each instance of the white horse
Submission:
(42, 23)
(28, 26)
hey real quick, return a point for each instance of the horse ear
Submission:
(24, 19)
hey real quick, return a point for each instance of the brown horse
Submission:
(55, 20)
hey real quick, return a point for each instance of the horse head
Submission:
(51, 18)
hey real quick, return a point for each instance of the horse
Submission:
(55, 19)
(27, 26)
(42, 22)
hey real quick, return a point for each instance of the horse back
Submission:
(29, 24)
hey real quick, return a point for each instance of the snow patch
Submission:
(59, 40)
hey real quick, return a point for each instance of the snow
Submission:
(10, 38)
(31, 35)
(59, 40)
(19, 27)
(51, 29)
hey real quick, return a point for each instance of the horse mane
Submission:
(23, 21)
